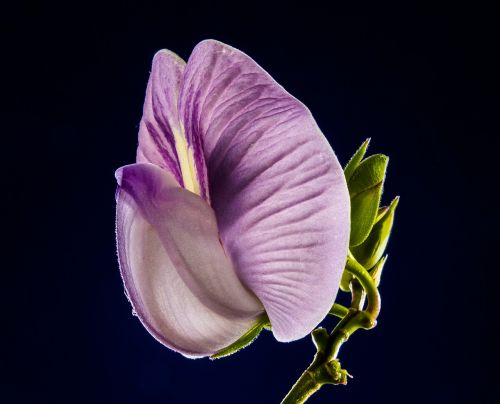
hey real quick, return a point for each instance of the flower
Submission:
(236, 206)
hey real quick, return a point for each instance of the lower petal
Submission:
(177, 276)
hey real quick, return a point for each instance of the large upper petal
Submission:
(177, 276)
(276, 186)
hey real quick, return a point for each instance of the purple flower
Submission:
(237, 205)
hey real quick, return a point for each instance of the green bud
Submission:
(371, 250)
(245, 340)
(376, 272)
(365, 188)
(356, 159)
(369, 173)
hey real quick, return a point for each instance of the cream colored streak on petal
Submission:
(186, 161)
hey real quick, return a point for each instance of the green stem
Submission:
(358, 294)
(338, 310)
(368, 284)
(353, 321)
(325, 368)
(304, 388)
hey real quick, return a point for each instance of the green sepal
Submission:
(376, 272)
(381, 212)
(245, 340)
(371, 250)
(364, 207)
(365, 189)
(355, 160)
(369, 173)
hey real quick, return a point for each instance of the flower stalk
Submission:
(370, 229)
(326, 368)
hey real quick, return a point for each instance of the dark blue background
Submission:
(419, 86)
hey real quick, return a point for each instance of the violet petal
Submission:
(177, 276)
(161, 136)
(276, 186)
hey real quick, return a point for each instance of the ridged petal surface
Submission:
(278, 191)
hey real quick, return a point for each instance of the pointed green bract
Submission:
(369, 173)
(381, 212)
(376, 272)
(365, 188)
(365, 182)
(364, 207)
(371, 250)
(356, 159)
(245, 340)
